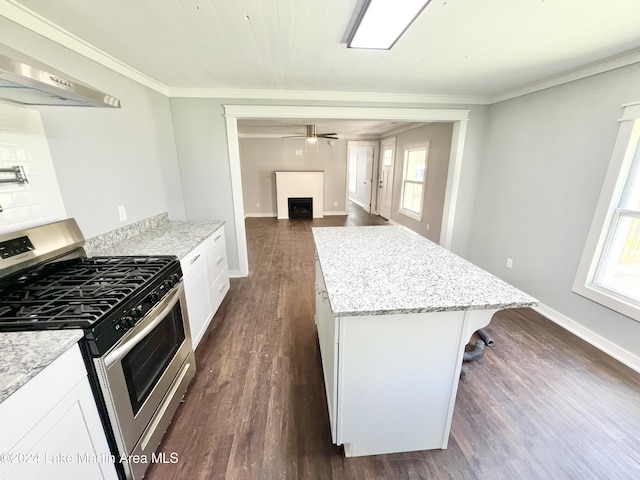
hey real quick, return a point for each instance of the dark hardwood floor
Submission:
(541, 404)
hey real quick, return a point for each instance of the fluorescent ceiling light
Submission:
(383, 22)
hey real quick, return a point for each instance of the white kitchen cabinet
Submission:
(328, 340)
(206, 282)
(51, 427)
(391, 380)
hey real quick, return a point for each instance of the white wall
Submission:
(23, 143)
(260, 157)
(545, 160)
(106, 157)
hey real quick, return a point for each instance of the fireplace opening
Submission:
(301, 207)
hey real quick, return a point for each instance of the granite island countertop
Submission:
(170, 238)
(385, 270)
(25, 354)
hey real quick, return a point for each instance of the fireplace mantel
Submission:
(300, 183)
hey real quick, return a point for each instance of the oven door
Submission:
(144, 377)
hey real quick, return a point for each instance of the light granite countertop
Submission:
(171, 238)
(25, 354)
(384, 270)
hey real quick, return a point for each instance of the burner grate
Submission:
(77, 294)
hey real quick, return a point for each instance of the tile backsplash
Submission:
(23, 143)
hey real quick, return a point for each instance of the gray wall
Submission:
(106, 157)
(545, 160)
(200, 133)
(439, 136)
(260, 157)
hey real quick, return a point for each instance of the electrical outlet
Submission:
(122, 212)
(428, 226)
(335, 204)
(509, 262)
(257, 205)
(298, 152)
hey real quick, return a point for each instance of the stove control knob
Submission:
(136, 312)
(154, 297)
(124, 323)
(168, 284)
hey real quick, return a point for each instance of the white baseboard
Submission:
(328, 214)
(235, 274)
(260, 215)
(629, 359)
(358, 203)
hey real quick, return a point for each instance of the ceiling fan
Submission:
(312, 135)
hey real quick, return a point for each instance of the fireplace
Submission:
(300, 184)
(300, 207)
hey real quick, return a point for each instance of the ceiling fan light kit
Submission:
(383, 22)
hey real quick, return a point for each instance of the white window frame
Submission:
(606, 214)
(408, 148)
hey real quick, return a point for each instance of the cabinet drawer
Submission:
(219, 289)
(217, 259)
(198, 254)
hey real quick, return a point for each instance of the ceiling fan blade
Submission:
(333, 136)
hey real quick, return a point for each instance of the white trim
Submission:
(591, 337)
(327, 96)
(452, 189)
(405, 149)
(233, 112)
(326, 214)
(21, 15)
(611, 63)
(260, 215)
(361, 205)
(352, 113)
(621, 157)
(236, 193)
(235, 274)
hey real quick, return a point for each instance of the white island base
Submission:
(394, 312)
(391, 380)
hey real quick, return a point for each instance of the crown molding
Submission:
(27, 18)
(327, 96)
(619, 61)
(30, 20)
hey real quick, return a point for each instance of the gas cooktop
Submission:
(77, 293)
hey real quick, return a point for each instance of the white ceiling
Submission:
(456, 47)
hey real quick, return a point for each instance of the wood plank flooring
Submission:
(540, 404)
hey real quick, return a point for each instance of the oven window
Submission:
(147, 361)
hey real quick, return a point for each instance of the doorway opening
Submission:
(458, 118)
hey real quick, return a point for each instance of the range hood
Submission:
(26, 84)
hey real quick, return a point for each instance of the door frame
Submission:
(375, 144)
(459, 118)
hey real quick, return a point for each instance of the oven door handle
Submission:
(166, 305)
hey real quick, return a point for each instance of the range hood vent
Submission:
(25, 84)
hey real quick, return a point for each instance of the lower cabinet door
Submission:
(198, 301)
(68, 443)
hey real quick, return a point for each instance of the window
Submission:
(413, 180)
(609, 272)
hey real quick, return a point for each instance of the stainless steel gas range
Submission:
(136, 345)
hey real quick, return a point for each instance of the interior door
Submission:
(361, 162)
(385, 184)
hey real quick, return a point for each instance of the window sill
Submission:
(410, 214)
(609, 300)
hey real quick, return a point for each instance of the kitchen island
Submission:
(394, 312)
